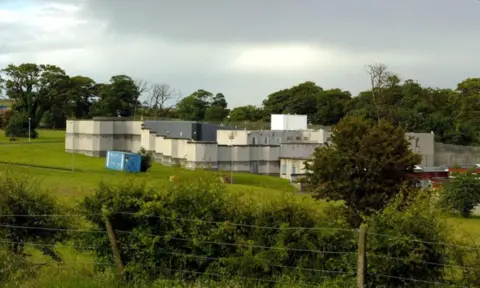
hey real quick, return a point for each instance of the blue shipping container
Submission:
(123, 161)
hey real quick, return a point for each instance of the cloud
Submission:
(245, 49)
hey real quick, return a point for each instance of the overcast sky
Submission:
(246, 49)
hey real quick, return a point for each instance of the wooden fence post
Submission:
(113, 241)
(361, 260)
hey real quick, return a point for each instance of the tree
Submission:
(160, 95)
(117, 98)
(194, 106)
(34, 88)
(245, 113)
(330, 106)
(142, 87)
(379, 76)
(366, 166)
(217, 110)
(461, 194)
(81, 92)
(300, 99)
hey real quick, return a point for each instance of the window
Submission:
(305, 138)
(266, 140)
(284, 169)
(298, 138)
(279, 140)
(294, 169)
(254, 140)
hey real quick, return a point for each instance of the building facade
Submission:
(270, 152)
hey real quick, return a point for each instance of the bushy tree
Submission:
(147, 158)
(18, 126)
(401, 240)
(23, 204)
(461, 194)
(366, 165)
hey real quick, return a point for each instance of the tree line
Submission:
(46, 95)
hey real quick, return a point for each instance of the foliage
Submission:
(202, 105)
(13, 267)
(35, 88)
(20, 126)
(117, 98)
(407, 233)
(22, 205)
(366, 166)
(461, 194)
(147, 158)
(155, 245)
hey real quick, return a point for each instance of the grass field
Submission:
(77, 175)
(72, 177)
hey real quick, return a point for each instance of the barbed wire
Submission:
(181, 239)
(423, 262)
(169, 237)
(187, 272)
(226, 222)
(423, 241)
(414, 280)
(160, 251)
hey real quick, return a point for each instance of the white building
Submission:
(270, 152)
(288, 122)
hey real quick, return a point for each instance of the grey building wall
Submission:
(185, 129)
(448, 154)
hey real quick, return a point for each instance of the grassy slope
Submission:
(54, 173)
(72, 186)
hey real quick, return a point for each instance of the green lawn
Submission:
(45, 136)
(49, 164)
(53, 167)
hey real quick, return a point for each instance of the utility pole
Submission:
(361, 260)
(29, 128)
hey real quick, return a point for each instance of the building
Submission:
(288, 122)
(198, 145)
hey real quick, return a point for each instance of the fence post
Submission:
(361, 260)
(113, 241)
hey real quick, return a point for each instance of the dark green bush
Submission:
(402, 239)
(23, 204)
(147, 158)
(159, 241)
(461, 194)
(13, 267)
(18, 126)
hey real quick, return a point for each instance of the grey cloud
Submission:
(352, 24)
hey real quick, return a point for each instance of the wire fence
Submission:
(352, 271)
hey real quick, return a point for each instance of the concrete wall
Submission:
(201, 155)
(261, 159)
(448, 154)
(95, 138)
(298, 150)
(423, 144)
(269, 137)
(287, 168)
(190, 130)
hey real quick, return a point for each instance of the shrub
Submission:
(24, 205)
(402, 239)
(6, 116)
(13, 267)
(461, 194)
(203, 240)
(147, 157)
(18, 126)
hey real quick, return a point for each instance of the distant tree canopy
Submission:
(48, 96)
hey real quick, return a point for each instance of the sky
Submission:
(246, 49)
